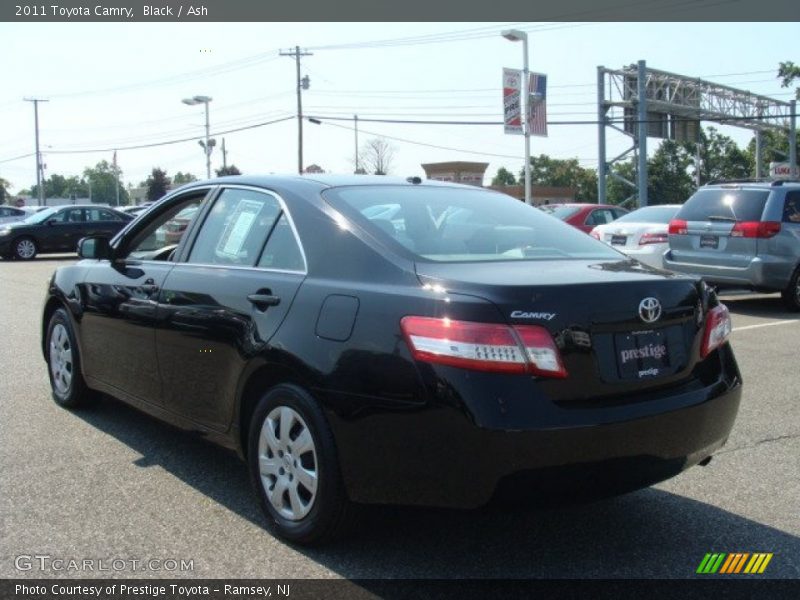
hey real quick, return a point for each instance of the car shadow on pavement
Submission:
(767, 306)
(651, 533)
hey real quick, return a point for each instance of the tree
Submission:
(774, 148)
(504, 177)
(668, 179)
(181, 178)
(102, 181)
(788, 72)
(720, 157)
(618, 191)
(376, 156)
(157, 184)
(558, 172)
(229, 170)
(5, 191)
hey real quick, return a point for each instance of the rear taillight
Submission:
(483, 346)
(653, 238)
(678, 227)
(756, 229)
(594, 234)
(718, 329)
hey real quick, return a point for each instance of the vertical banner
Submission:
(512, 109)
(537, 103)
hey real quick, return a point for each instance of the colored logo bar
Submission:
(734, 562)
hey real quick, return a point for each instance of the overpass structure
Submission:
(642, 102)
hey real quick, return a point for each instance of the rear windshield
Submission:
(724, 205)
(460, 225)
(650, 214)
(562, 212)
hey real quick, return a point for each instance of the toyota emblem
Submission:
(650, 310)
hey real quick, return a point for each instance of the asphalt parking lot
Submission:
(112, 483)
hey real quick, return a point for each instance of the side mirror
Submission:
(94, 247)
(51, 222)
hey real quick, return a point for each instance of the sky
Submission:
(116, 85)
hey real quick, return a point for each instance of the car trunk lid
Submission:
(619, 326)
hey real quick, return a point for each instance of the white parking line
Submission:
(766, 324)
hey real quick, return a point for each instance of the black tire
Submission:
(329, 511)
(21, 246)
(791, 295)
(73, 393)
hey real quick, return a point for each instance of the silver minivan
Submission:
(743, 234)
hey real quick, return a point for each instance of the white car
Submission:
(641, 234)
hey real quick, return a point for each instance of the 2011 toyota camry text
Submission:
(376, 340)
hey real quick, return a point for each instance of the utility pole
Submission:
(39, 186)
(116, 177)
(355, 122)
(224, 156)
(302, 84)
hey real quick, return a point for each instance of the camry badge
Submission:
(650, 310)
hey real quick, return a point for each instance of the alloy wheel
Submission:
(61, 363)
(26, 249)
(288, 464)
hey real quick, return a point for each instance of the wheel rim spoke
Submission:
(276, 498)
(287, 418)
(303, 443)
(269, 467)
(308, 479)
(297, 507)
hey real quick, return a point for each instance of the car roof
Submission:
(324, 180)
(762, 185)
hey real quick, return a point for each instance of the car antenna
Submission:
(415, 180)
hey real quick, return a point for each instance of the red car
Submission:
(585, 216)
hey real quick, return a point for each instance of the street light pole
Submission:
(517, 35)
(208, 145)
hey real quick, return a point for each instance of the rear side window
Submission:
(282, 251)
(601, 216)
(447, 224)
(724, 205)
(791, 208)
(235, 228)
(98, 214)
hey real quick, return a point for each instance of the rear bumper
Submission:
(761, 272)
(440, 456)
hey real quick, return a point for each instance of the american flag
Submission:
(537, 103)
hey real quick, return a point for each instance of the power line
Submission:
(169, 142)
(20, 157)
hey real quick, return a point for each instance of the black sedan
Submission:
(58, 229)
(373, 340)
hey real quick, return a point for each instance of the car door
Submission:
(59, 231)
(224, 300)
(120, 299)
(101, 221)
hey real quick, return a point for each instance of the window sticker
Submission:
(238, 228)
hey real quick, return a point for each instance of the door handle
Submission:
(263, 301)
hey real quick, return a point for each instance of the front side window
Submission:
(236, 228)
(456, 225)
(161, 234)
(72, 215)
